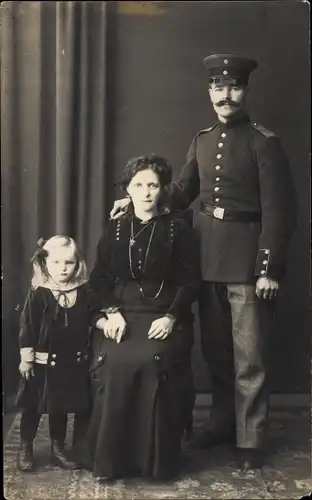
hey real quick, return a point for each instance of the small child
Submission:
(54, 341)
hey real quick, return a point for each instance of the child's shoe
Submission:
(25, 457)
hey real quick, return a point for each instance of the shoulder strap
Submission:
(209, 129)
(264, 131)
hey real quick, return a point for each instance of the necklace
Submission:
(134, 236)
(140, 285)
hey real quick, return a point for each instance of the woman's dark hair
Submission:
(153, 162)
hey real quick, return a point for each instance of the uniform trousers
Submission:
(235, 330)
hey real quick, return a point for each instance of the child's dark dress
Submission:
(62, 384)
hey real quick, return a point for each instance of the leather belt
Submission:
(231, 215)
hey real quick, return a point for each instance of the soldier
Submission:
(241, 175)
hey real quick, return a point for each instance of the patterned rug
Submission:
(204, 474)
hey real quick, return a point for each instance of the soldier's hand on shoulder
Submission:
(266, 288)
(120, 207)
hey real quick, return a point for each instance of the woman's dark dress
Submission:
(140, 385)
(61, 385)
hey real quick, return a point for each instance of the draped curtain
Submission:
(53, 130)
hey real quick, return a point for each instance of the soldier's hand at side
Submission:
(26, 369)
(266, 288)
(119, 208)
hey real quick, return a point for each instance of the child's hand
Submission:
(26, 369)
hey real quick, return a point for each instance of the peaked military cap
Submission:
(229, 68)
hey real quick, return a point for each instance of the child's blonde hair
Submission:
(38, 260)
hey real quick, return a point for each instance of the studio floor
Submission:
(204, 474)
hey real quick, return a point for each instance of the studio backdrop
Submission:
(87, 85)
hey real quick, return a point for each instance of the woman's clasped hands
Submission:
(114, 327)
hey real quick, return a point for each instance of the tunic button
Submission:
(217, 179)
(78, 359)
(219, 156)
(100, 358)
(157, 357)
(216, 188)
(223, 135)
(266, 252)
(52, 363)
(265, 262)
(53, 355)
(220, 144)
(78, 353)
(217, 167)
(262, 272)
(164, 376)
(217, 200)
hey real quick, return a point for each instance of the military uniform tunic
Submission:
(240, 166)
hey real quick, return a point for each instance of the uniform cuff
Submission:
(263, 261)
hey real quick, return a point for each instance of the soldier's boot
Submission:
(25, 457)
(213, 436)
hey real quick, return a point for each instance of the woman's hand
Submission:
(26, 369)
(115, 326)
(161, 328)
(119, 208)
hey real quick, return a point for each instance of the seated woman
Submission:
(147, 276)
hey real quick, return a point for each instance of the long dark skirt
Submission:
(140, 393)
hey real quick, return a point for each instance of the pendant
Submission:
(132, 241)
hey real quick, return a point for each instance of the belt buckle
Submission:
(218, 213)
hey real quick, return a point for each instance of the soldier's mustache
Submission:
(227, 102)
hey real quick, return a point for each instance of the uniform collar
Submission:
(236, 122)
